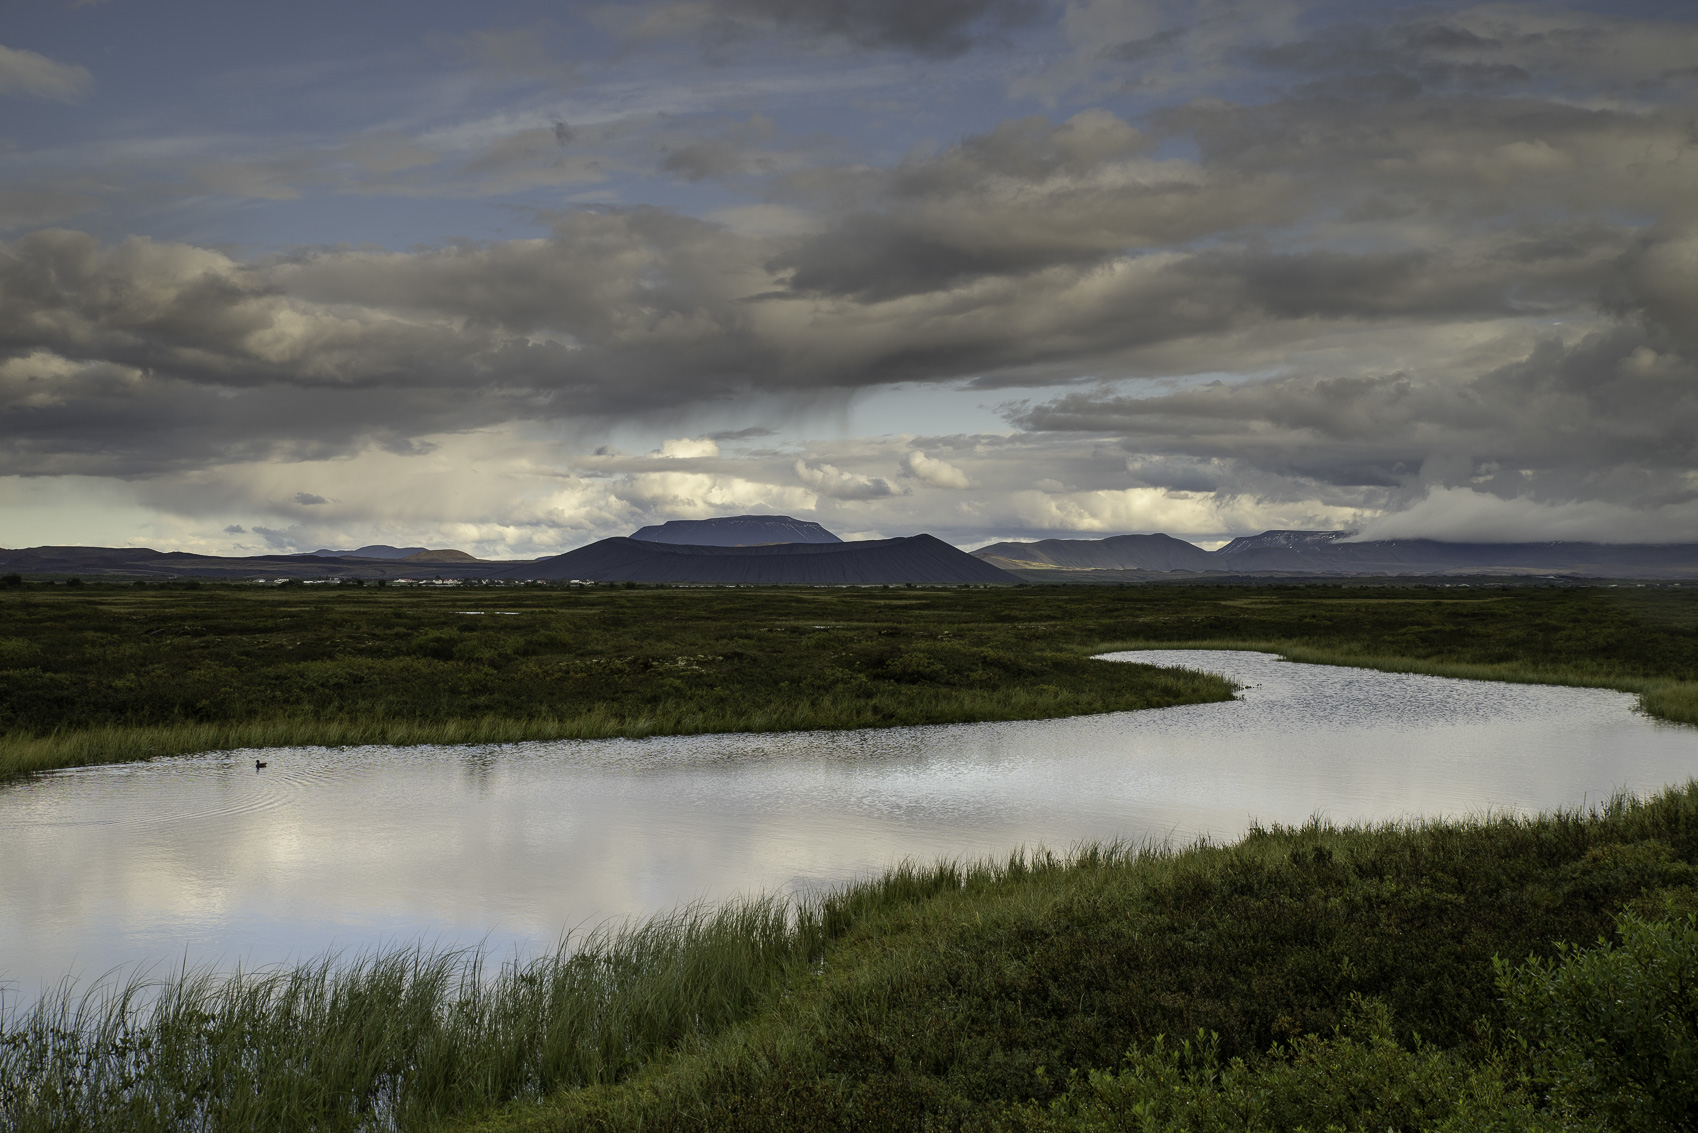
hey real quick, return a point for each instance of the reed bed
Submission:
(988, 1002)
(389, 1040)
(937, 995)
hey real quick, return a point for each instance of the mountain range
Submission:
(916, 558)
(1322, 553)
(778, 549)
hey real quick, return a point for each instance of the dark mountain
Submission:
(81, 560)
(376, 551)
(145, 562)
(917, 558)
(736, 531)
(1331, 553)
(920, 558)
(1119, 552)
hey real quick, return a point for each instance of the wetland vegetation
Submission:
(1496, 973)
(116, 672)
(1489, 974)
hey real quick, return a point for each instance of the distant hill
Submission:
(736, 531)
(376, 551)
(917, 558)
(145, 562)
(1119, 552)
(444, 556)
(1332, 553)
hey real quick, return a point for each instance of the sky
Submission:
(512, 277)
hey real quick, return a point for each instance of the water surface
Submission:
(205, 859)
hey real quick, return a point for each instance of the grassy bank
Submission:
(1673, 700)
(108, 672)
(1305, 969)
(1088, 688)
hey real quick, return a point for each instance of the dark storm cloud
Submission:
(1617, 411)
(937, 28)
(1425, 179)
(751, 433)
(1396, 62)
(1027, 195)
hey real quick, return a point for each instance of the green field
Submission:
(106, 672)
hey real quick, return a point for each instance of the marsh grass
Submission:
(391, 1039)
(106, 674)
(1004, 987)
(22, 754)
(934, 996)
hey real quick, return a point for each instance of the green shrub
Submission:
(1360, 1079)
(17, 653)
(1614, 1029)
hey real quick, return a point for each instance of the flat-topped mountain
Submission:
(1338, 553)
(917, 558)
(736, 531)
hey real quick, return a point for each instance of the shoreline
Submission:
(932, 992)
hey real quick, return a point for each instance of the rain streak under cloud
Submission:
(515, 276)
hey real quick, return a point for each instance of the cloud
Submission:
(1610, 416)
(938, 28)
(26, 72)
(235, 529)
(28, 208)
(308, 499)
(1028, 195)
(696, 495)
(937, 473)
(1144, 510)
(750, 432)
(1277, 267)
(829, 480)
(1465, 515)
(686, 449)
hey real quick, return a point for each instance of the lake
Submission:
(206, 860)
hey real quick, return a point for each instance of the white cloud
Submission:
(698, 495)
(684, 448)
(937, 473)
(1141, 510)
(26, 72)
(830, 480)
